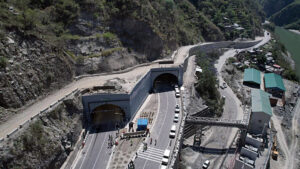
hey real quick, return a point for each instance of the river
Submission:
(291, 41)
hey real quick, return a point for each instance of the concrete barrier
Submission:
(134, 134)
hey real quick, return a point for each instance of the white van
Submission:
(177, 92)
(165, 159)
(173, 131)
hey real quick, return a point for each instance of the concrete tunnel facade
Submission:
(129, 103)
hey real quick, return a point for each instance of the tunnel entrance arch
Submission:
(165, 78)
(107, 116)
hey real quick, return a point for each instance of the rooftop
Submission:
(260, 101)
(252, 75)
(273, 80)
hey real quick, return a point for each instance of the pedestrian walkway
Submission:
(152, 154)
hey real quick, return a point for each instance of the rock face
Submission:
(34, 68)
(47, 141)
(139, 36)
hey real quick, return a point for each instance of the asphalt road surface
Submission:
(152, 157)
(96, 152)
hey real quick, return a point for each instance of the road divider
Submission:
(134, 134)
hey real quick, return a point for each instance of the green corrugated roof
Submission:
(252, 75)
(273, 80)
(260, 101)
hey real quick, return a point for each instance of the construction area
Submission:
(269, 138)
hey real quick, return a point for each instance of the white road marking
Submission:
(165, 115)
(100, 151)
(88, 149)
(151, 154)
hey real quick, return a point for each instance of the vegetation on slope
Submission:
(272, 6)
(283, 12)
(288, 15)
(246, 13)
(206, 84)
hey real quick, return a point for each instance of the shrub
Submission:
(29, 19)
(231, 60)
(3, 62)
(108, 36)
(80, 59)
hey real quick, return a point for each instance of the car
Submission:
(176, 86)
(223, 97)
(176, 118)
(224, 85)
(173, 131)
(163, 167)
(177, 108)
(206, 164)
(177, 92)
(165, 159)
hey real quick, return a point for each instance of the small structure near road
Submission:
(142, 124)
(274, 85)
(261, 112)
(252, 78)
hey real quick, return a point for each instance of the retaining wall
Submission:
(224, 44)
(46, 110)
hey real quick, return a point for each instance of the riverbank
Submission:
(295, 31)
(291, 42)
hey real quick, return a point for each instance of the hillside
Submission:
(283, 12)
(289, 16)
(272, 6)
(44, 44)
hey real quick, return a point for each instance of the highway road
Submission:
(96, 153)
(221, 137)
(152, 157)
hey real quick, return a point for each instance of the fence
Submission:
(46, 110)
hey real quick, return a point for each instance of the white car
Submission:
(177, 108)
(224, 85)
(163, 167)
(173, 131)
(165, 159)
(176, 118)
(206, 164)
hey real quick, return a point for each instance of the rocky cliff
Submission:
(47, 141)
(44, 44)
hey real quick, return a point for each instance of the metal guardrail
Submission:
(178, 141)
(53, 105)
(216, 122)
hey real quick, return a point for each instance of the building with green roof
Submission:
(252, 77)
(261, 111)
(274, 84)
